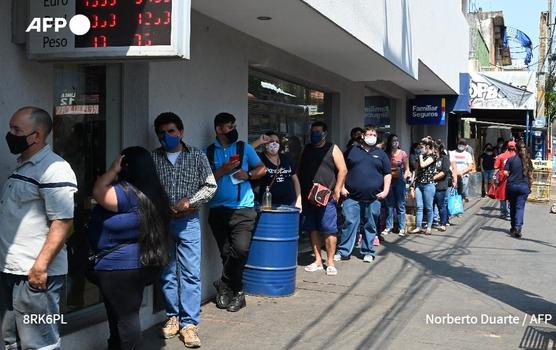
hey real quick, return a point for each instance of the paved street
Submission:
(474, 268)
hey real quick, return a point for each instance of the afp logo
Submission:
(78, 24)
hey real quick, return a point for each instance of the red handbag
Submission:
(492, 190)
(319, 195)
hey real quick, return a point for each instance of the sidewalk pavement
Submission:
(405, 298)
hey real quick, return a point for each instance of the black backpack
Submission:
(240, 147)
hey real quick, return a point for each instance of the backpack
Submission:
(240, 148)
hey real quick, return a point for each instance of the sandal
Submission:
(331, 271)
(442, 228)
(415, 231)
(313, 267)
(428, 232)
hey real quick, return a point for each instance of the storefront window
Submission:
(284, 107)
(79, 136)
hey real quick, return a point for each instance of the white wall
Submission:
(406, 31)
(22, 83)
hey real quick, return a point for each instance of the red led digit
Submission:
(94, 22)
(168, 17)
(157, 22)
(139, 18)
(148, 18)
(99, 41)
(138, 2)
(103, 3)
(113, 20)
(148, 42)
(138, 39)
(104, 24)
(113, 3)
(156, 1)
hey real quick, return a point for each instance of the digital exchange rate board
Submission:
(119, 29)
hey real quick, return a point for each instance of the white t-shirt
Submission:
(173, 157)
(463, 160)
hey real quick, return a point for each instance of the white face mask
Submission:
(461, 147)
(273, 147)
(370, 140)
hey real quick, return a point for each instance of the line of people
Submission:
(146, 224)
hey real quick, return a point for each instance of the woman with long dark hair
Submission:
(425, 186)
(443, 180)
(519, 172)
(130, 239)
(399, 163)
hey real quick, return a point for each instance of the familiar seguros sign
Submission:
(429, 110)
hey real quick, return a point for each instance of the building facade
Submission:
(275, 65)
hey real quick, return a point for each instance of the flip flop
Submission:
(331, 271)
(313, 267)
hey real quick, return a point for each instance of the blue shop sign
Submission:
(429, 110)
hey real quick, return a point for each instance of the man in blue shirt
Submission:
(232, 216)
(367, 183)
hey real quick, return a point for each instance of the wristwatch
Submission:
(250, 175)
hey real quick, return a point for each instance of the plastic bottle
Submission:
(267, 199)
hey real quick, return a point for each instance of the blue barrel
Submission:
(272, 262)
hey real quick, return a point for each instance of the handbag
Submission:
(455, 203)
(492, 190)
(319, 195)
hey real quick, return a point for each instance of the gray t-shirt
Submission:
(39, 191)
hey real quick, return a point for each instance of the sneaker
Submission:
(386, 232)
(338, 257)
(401, 233)
(368, 258)
(171, 328)
(190, 336)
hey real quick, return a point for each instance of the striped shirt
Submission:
(191, 177)
(39, 191)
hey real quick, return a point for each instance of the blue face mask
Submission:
(317, 136)
(169, 142)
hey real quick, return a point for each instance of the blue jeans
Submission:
(424, 199)
(19, 299)
(463, 186)
(181, 278)
(517, 193)
(352, 211)
(442, 205)
(504, 211)
(396, 200)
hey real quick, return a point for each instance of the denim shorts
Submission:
(322, 219)
(488, 174)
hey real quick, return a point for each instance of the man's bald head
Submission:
(38, 117)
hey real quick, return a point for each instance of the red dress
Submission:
(499, 164)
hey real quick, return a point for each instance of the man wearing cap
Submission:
(464, 165)
(501, 179)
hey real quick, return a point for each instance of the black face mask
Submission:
(18, 144)
(232, 136)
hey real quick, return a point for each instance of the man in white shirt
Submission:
(464, 165)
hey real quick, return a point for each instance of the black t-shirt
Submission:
(443, 165)
(487, 161)
(283, 190)
(317, 166)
